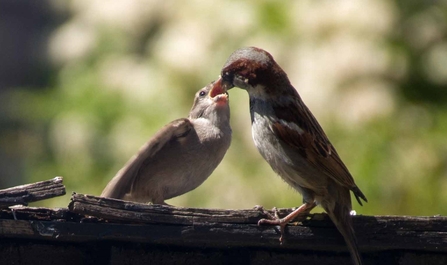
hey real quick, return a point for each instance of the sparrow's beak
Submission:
(218, 93)
(226, 85)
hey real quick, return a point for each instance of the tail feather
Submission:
(359, 194)
(342, 219)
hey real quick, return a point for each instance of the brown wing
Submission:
(312, 143)
(123, 181)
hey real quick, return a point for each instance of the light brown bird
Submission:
(179, 157)
(292, 141)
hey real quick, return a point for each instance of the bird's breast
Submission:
(265, 140)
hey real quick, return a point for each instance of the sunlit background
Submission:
(84, 83)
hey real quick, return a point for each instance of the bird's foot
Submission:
(272, 219)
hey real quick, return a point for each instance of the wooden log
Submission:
(374, 233)
(108, 229)
(239, 227)
(32, 192)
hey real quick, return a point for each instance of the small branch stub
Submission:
(38, 191)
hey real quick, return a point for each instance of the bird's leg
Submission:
(282, 222)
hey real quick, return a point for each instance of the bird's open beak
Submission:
(218, 93)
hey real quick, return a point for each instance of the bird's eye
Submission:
(202, 93)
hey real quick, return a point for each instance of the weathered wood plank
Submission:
(109, 219)
(115, 230)
(24, 194)
(91, 218)
(20, 212)
(374, 234)
(118, 210)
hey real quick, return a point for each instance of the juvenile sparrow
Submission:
(180, 156)
(290, 139)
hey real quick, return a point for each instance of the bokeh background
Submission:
(84, 83)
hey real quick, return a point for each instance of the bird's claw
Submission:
(259, 208)
(272, 219)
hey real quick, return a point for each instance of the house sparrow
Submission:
(180, 156)
(290, 139)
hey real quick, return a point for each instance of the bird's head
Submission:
(211, 102)
(254, 70)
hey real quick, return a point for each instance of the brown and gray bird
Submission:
(292, 141)
(180, 156)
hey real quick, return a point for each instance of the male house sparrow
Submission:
(180, 156)
(290, 139)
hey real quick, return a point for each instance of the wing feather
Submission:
(312, 143)
(124, 180)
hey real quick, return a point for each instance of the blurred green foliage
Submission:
(373, 72)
